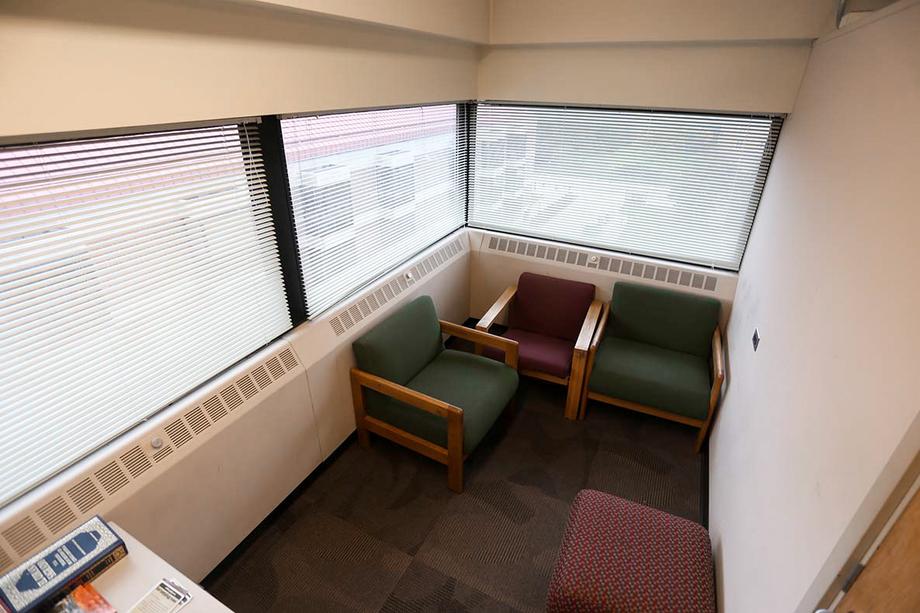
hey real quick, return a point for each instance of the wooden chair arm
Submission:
(718, 376)
(601, 327)
(718, 359)
(404, 394)
(496, 309)
(510, 347)
(586, 334)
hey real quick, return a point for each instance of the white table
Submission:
(135, 574)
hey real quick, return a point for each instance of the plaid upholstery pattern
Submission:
(620, 556)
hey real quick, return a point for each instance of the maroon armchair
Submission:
(553, 321)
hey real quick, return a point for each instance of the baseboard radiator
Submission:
(195, 479)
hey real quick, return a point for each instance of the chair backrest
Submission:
(672, 320)
(550, 306)
(400, 346)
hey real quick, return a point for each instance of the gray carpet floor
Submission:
(377, 529)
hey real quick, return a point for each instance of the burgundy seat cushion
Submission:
(550, 306)
(620, 556)
(538, 352)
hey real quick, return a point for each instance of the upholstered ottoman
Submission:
(624, 557)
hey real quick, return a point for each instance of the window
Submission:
(132, 269)
(371, 189)
(676, 186)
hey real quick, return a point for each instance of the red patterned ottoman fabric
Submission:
(624, 557)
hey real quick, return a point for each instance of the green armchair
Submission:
(438, 402)
(659, 352)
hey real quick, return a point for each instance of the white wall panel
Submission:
(820, 422)
(746, 77)
(98, 64)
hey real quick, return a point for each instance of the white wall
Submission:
(811, 433)
(96, 64)
(712, 55)
(91, 64)
(746, 77)
(593, 21)
(461, 19)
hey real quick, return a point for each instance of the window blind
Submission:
(132, 269)
(677, 186)
(369, 190)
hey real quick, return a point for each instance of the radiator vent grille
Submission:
(261, 377)
(162, 453)
(231, 397)
(5, 561)
(574, 257)
(85, 495)
(247, 387)
(215, 408)
(197, 420)
(56, 515)
(353, 313)
(111, 477)
(136, 461)
(178, 433)
(275, 368)
(24, 536)
(25, 532)
(289, 359)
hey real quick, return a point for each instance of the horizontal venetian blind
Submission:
(678, 186)
(369, 190)
(132, 269)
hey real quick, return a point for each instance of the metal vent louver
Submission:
(178, 433)
(162, 453)
(56, 514)
(197, 420)
(352, 314)
(574, 257)
(231, 397)
(24, 536)
(111, 477)
(5, 561)
(261, 376)
(85, 495)
(136, 461)
(215, 408)
(275, 368)
(355, 312)
(247, 387)
(289, 359)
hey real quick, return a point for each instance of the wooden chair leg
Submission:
(583, 404)
(455, 452)
(357, 395)
(573, 401)
(704, 430)
(576, 382)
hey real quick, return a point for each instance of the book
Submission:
(75, 559)
(83, 599)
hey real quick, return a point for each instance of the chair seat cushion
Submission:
(478, 385)
(538, 352)
(649, 375)
(621, 556)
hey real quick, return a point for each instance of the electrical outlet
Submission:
(755, 340)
